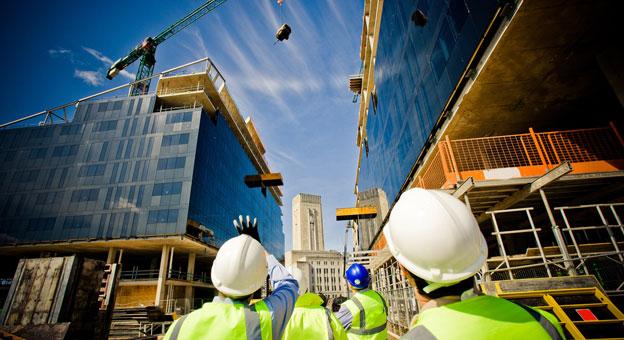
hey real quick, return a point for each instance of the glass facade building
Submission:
(122, 170)
(416, 70)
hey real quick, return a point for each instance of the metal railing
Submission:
(175, 90)
(152, 274)
(595, 248)
(390, 283)
(534, 152)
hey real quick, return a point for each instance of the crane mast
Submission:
(146, 50)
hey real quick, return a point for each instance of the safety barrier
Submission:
(522, 155)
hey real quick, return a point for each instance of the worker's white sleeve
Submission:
(345, 317)
(282, 301)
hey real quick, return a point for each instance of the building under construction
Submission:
(152, 182)
(516, 108)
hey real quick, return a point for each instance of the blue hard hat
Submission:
(357, 276)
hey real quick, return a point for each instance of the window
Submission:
(106, 125)
(117, 105)
(25, 176)
(179, 139)
(77, 222)
(85, 195)
(65, 150)
(71, 130)
(37, 153)
(162, 216)
(41, 224)
(41, 132)
(47, 197)
(92, 170)
(102, 107)
(179, 117)
(171, 163)
(162, 189)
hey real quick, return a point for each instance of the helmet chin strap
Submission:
(437, 285)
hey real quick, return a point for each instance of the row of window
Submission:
(179, 139)
(74, 129)
(171, 163)
(179, 117)
(163, 189)
(84, 221)
(92, 170)
(162, 216)
(65, 151)
(85, 195)
(106, 125)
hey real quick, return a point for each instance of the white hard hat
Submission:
(435, 236)
(240, 267)
(298, 275)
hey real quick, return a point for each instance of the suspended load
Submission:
(283, 32)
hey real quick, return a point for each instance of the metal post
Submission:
(539, 244)
(576, 246)
(563, 248)
(500, 244)
(611, 236)
(617, 218)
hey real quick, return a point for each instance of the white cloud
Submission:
(59, 52)
(93, 78)
(107, 62)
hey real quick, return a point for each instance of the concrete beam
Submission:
(346, 214)
(530, 188)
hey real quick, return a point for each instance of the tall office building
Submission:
(151, 181)
(307, 222)
(515, 108)
(322, 269)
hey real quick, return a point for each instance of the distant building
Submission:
(323, 271)
(307, 222)
(151, 181)
(367, 228)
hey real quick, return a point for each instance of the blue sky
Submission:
(296, 92)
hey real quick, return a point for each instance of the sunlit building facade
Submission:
(152, 182)
(513, 107)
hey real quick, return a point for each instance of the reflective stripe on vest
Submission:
(484, 317)
(330, 332)
(362, 320)
(200, 323)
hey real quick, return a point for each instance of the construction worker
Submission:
(438, 243)
(239, 270)
(364, 316)
(310, 319)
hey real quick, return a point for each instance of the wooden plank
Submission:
(67, 275)
(48, 291)
(42, 266)
(22, 292)
(344, 214)
(14, 284)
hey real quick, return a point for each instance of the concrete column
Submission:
(188, 290)
(112, 253)
(162, 275)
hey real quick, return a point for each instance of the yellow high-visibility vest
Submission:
(310, 320)
(485, 317)
(217, 320)
(370, 315)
